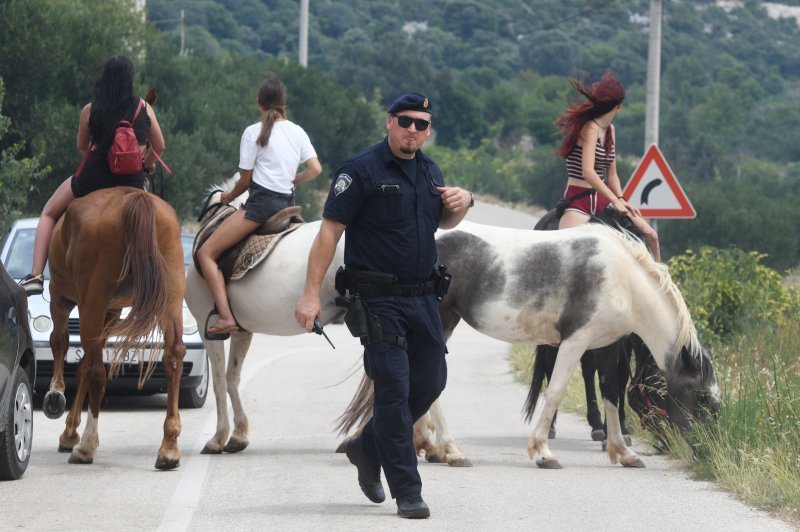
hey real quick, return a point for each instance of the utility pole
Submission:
(183, 36)
(653, 81)
(303, 59)
(653, 76)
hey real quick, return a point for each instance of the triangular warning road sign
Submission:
(654, 189)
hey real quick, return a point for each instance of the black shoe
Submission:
(369, 475)
(412, 507)
(33, 284)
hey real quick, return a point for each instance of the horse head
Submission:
(689, 394)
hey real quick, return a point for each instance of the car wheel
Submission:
(195, 397)
(17, 438)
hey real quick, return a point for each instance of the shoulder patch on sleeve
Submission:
(342, 183)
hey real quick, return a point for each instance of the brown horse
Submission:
(115, 248)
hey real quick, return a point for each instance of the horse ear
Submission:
(151, 96)
(689, 362)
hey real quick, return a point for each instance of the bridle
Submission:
(652, 411)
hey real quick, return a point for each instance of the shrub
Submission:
(728, 288)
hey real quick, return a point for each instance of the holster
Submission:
(442, 281)
(359, 320)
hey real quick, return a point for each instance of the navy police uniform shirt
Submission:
(391, 209)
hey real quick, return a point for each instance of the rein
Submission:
(653, 411)
(206, 205)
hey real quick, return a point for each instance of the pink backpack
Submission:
(123, 155)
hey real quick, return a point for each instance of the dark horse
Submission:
(115, 248)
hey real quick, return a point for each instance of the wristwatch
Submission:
(471, 200)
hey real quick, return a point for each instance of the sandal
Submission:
(32, 284)
(218, 335)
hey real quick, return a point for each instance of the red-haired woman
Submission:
(593, 183)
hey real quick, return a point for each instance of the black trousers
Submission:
(406, 384)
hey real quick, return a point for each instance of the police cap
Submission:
(411, 101)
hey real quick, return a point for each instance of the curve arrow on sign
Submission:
(648, 188)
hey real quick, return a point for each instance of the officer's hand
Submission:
(306, 311)
(454, 199)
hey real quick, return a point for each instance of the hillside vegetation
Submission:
(494, 70)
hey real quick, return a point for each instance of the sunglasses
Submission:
(406, 121)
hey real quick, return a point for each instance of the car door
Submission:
(8, 336)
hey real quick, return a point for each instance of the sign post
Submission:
(655, 191)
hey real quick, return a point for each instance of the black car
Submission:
(17, 372)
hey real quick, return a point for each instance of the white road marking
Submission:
(194, 469)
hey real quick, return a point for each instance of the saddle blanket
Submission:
(254, 249)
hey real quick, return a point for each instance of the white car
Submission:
(16, 255)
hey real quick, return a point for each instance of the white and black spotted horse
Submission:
(580, 288)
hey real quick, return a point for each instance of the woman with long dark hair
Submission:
(113, 100)
(590, 153)
(270, 153)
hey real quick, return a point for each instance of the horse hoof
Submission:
(549, 463)
(627, 439)
(551, 434)
(166, 464)
(434, 458)
(598, 435)
(54, 404)
(79, 457)
(64, 449)
(460, 462)
(605, 445)
(209, 449)
(236, 446)
(637, 464)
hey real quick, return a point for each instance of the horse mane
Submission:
(687, 333)
(225, 186)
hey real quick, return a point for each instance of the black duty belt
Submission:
(370, 284)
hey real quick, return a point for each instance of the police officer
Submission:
(389, 200)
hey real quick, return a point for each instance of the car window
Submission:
(187, 240)
(20, 254)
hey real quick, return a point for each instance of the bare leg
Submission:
(232, 230)
(52, 211)
(650, 236)
(572, 218)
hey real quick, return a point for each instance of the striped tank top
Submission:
(602, 161)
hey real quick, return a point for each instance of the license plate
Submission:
(75, 354)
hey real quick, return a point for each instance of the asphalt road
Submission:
(289, 478)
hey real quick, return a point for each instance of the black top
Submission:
(391, 214)
(97, 164)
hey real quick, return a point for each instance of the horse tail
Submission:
(145, 269)
(537, 379)
(359, 410)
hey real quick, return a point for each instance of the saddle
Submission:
(253, 249)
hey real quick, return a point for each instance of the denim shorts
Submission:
(262, 203)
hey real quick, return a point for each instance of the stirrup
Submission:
(32, 284)
(218, 336)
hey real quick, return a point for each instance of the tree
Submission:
(18, 176)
